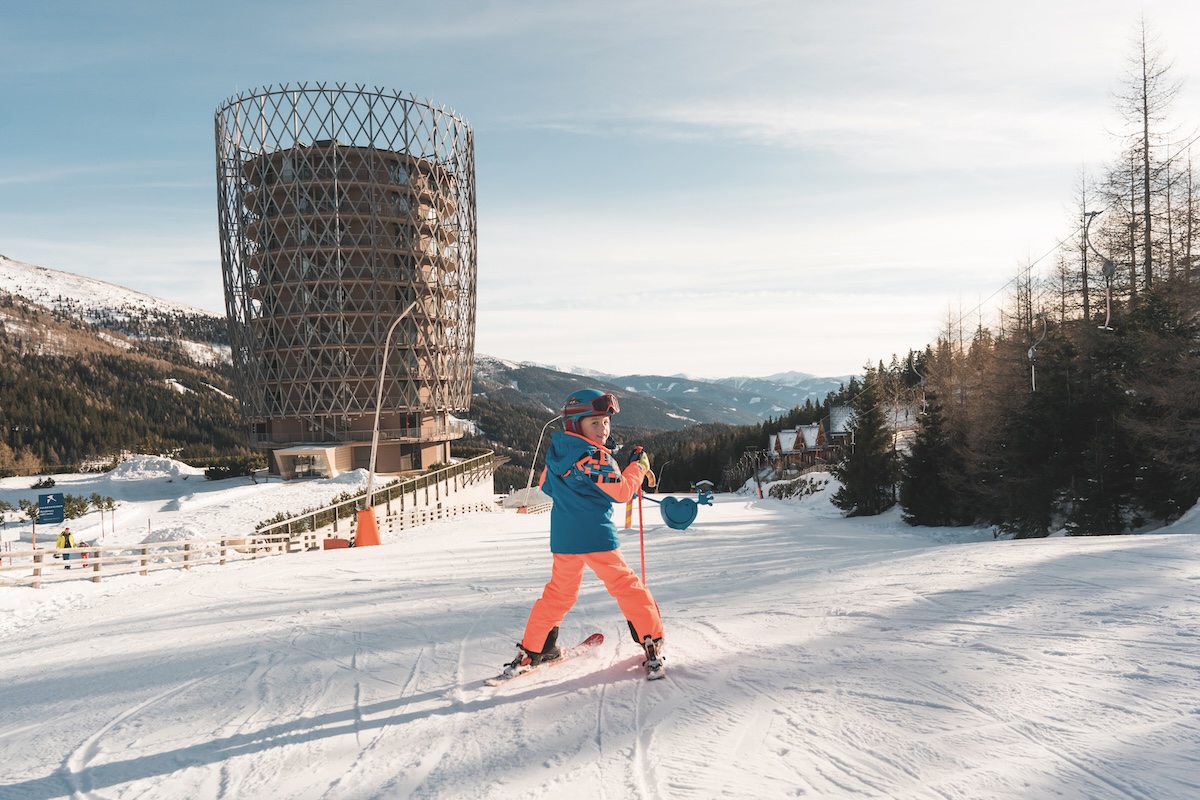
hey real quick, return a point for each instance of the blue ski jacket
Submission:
(584, 481)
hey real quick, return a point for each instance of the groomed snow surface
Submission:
(808, 656)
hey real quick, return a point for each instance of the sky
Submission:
(808, 655)
(732, 187)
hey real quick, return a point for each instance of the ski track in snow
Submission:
(807, 656)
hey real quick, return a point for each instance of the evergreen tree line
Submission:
(728, 455)
(1097, 432)
(723, 454)
(511, 432)
(61, 409)
(1080, 408)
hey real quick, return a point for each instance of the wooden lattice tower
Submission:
(338, 207)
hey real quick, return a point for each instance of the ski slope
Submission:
(808, 656)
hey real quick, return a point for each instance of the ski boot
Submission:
(655, 661)
(528, 659)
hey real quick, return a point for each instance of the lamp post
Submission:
(661, 471)
(524, 507)
(368, 526)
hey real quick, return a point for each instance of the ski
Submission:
(510, 672)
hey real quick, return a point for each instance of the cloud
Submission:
(821, 295)
(882, 134)
(51, 174)
(718, 334)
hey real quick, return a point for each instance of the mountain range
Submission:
(648, 401)
(656, 401)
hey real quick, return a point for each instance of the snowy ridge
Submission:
(54, 289)
(108, 305)
(582, 372)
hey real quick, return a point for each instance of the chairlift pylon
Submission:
(1108, 270)
(1033, 353)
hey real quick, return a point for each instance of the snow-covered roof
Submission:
(810, 433)
(787, 441)
(839, 419)
(797, 440)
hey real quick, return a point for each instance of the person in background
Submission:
(583, 479)
(65, 540)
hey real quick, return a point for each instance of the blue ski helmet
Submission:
(587, 403)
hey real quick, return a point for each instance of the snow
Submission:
(809, 655)
(226, 395)
(206, 352)
(52, 288)
(159, 499)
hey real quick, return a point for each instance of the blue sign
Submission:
(50, 508)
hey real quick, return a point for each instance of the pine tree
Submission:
(867, 469)
(928, 492)
(1155, 407)
(1144, 102)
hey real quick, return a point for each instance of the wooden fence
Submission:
(405, 504)
(37, 566)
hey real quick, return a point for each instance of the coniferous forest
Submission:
(1079, 408)
(67, 395)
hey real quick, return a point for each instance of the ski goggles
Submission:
(604, 404)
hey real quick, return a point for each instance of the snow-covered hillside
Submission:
(53, 288)
(108, 305)
(809, 656)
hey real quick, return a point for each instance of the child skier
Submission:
(583, 479)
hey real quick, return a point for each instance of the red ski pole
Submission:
(641, 536)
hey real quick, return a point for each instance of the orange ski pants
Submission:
(562, 591)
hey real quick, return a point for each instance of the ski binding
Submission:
(525, 668)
